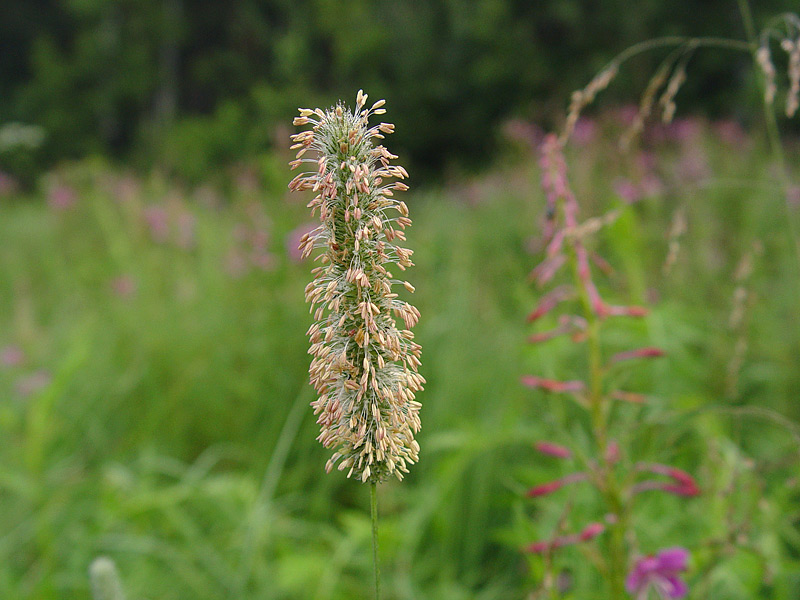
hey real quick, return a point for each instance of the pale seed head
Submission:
(364, 369)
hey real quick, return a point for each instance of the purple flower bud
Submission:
(552, 449)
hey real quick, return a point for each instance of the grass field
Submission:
(154, 394)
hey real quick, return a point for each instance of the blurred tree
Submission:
(157, 76)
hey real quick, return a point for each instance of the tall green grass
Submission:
(174, 434)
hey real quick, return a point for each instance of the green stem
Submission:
(600, 420)
(676, 40)
(373, 496)
(600, 414)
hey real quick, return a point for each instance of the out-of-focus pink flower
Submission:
(552, 449)
(612, 454)
(251, 244)
(608, 310)
(660, 573)
(591, 531)
(61, 197)
(646, 161)
(123, 286)
(30, 384)
(11, 356)
(552, 486)
(651, 185)
(731, 132)
(552, 385)
(545, 488)
(545, 271)
(585, 131)
(683, 130)
(293, 240)
(682, 484)
(572, 325)
(158, 221)
(627, 190)
(647, 352)
(631, 397)
(549, 302)
(263, 260)
(627, 114)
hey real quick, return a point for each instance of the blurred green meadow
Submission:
(154, 395)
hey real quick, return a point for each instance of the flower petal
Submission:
(672, 559)
(679, 588)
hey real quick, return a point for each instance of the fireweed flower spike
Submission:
(364, 368)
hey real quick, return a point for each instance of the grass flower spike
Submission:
(105, 581)
(364, 368)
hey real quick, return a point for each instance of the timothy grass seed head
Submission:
(364, 368)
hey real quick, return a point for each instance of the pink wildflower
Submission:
(659, 573)
(682, 484)
(648, 352)
(627, 190)
(631, 397)
(626, 115)
(61, 197)
(11, 356)
(793, 195)
(158, 221)
(30, 384)
(552, 385)
(730, 132)
(552, 449)
(613, 453)
(585, 131)
(591, 531)
(123, 286)
(549, 302)
(553, 486)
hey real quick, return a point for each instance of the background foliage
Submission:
(194, 84)
(153, 367)
(155, 396)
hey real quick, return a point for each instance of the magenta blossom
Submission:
(659, 573)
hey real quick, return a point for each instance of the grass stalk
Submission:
(373, 502)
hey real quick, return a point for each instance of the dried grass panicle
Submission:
(648, 99)
(789, 38)
(792, 48)
(764, 59)
(676, 232)
(364, 368)
(582, 98)
(667, 100)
